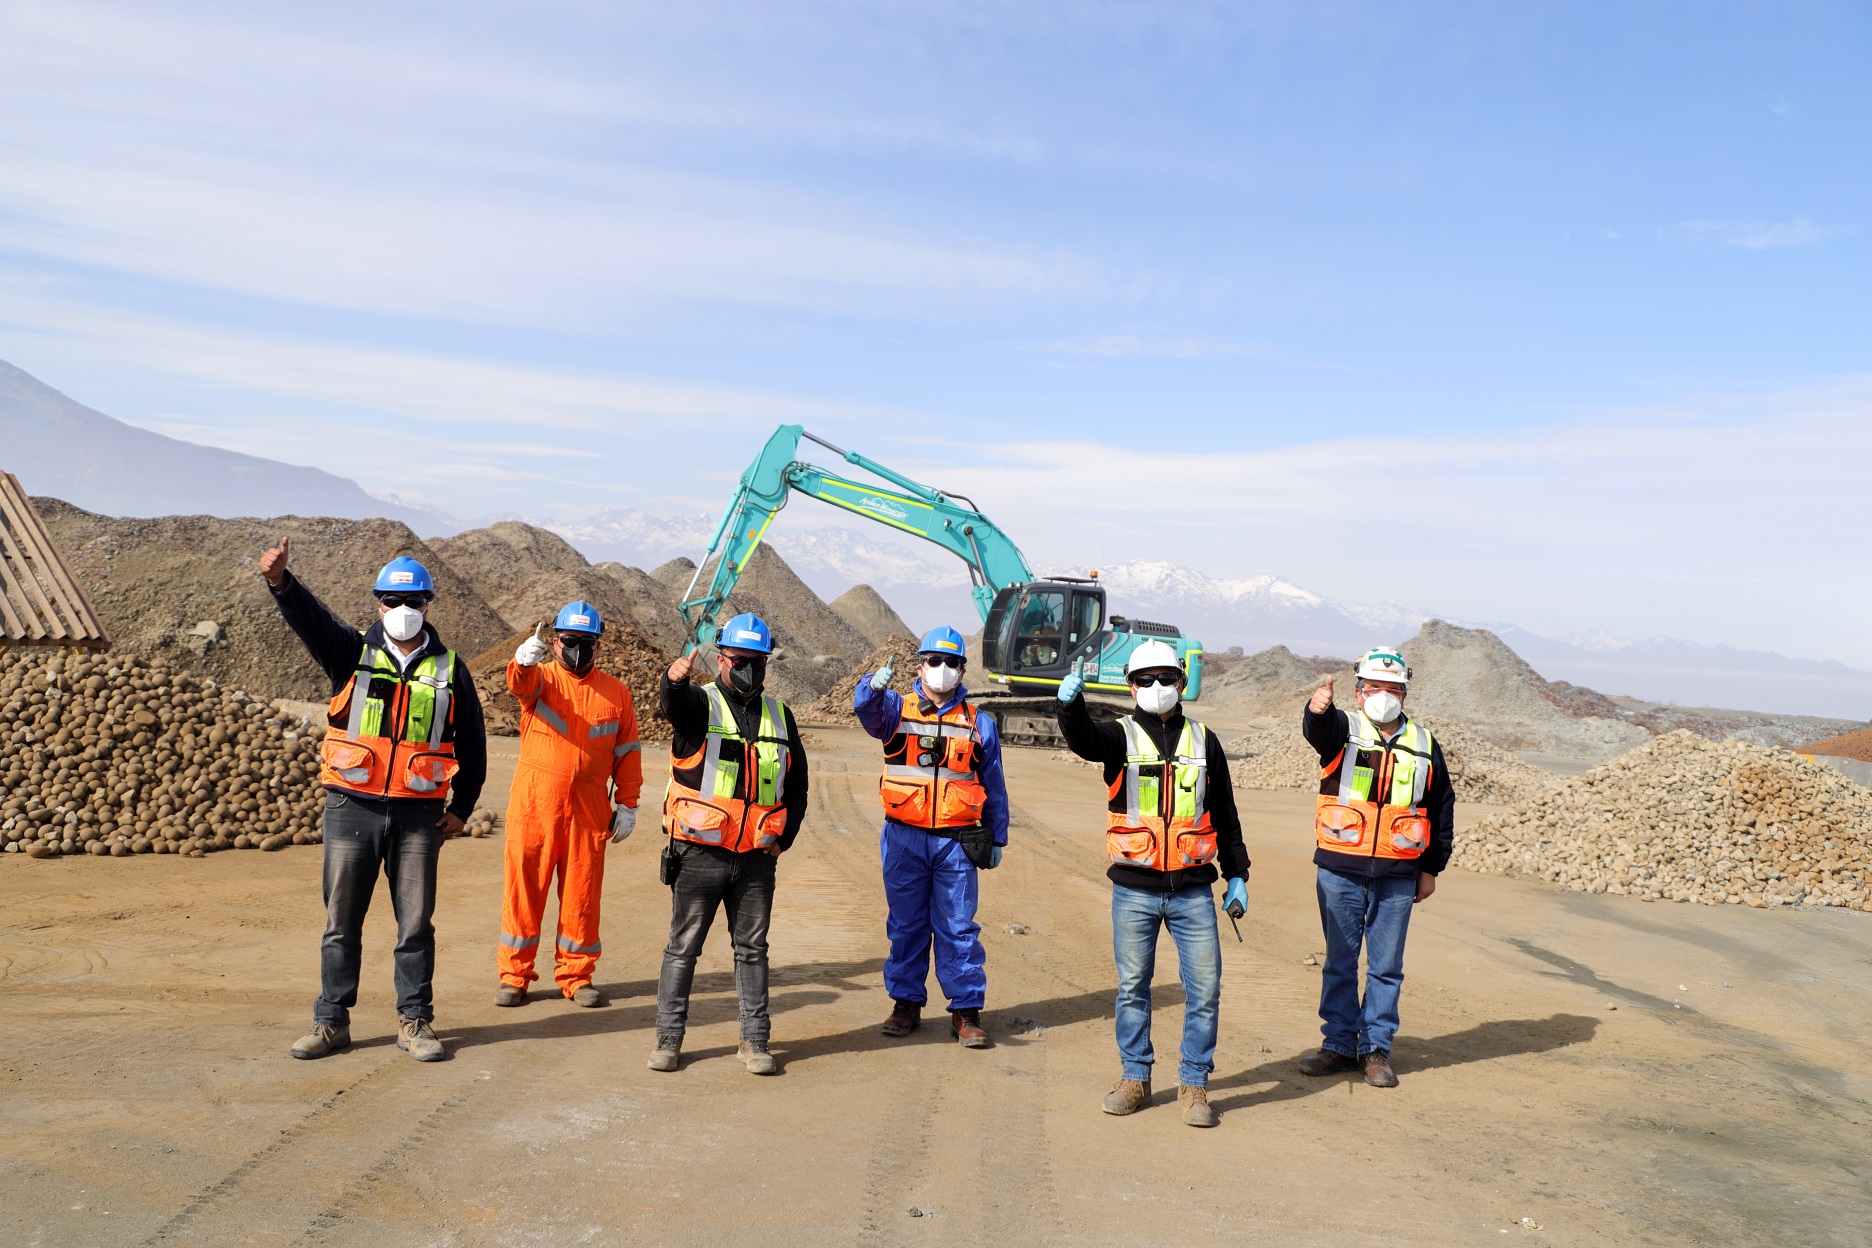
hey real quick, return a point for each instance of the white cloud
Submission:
(1754, 235)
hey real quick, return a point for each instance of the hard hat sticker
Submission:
(581, 619)
(402, 578)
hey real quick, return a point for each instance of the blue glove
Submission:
(881, 679)
(1071, 687)
(994, 858)
(1235, 898)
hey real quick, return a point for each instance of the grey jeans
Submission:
(744, 885)
(362, 835)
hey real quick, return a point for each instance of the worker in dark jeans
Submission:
(402, 762)
(736, 796)
(1385, 822)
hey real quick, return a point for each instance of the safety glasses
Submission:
(942, 660)
(1144, 680)
(393, 601)
(738, 661)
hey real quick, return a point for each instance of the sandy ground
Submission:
(146, 1096)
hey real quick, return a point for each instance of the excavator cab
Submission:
(1035, 632)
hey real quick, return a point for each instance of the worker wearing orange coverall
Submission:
(579, 753)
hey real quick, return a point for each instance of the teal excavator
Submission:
(1034, 632)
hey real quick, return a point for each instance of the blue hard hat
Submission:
(403, 575)
(745, 632)
(944, 640)
(579, 617)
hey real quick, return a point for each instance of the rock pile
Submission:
(113, 754)
(1278, 757)
(836, 706)
(1686, 819)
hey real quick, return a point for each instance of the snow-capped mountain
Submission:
(632, 536)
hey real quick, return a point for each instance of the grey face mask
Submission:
(577, 655)
(747, 680)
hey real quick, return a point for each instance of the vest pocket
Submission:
(1196, 848)
(906, 801)
(772, 824)
(350, 761)
(699, 820)
(1132, 848)
(1410, 835)
(962, 803)
(1339, 824)
(429, 773)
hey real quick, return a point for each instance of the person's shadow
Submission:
(1278, 1079)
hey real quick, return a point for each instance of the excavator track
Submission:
(1033, 722)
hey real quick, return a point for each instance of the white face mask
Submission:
(402, 623)
(1382, 708)
(941, 679)
(1156, 699)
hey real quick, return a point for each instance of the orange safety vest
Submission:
(391, 731)
(1158, 813)
(715, 798)
(1371, 795)
(932, 768)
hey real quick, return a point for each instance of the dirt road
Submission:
(146, 1096)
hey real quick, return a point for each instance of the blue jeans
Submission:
(361, 836)
(1189, 913)
(1374, 913)
(931, 888)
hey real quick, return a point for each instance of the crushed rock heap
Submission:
(836, 706)
(1686, 819)
(113, 754)
(1278, 757)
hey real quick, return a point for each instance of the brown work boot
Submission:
(322, 1039)
(965, 1025)
(1195, 1103)
(510, 994)
(1378, 1070)
(668, 1054)
(906, 1017)
(1326, 1062)
(754, 1056)
(416, 1036)
(1127, 1096)
(587, 996)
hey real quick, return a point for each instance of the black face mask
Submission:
(576, 656)
(747, 680)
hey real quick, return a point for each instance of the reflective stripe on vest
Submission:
(1144, 827)
(709, 799)
(1371, 797)
(365, 754)
(930, 778)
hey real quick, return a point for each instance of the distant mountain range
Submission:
(57, 446)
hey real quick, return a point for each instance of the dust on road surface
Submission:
(148, 1097)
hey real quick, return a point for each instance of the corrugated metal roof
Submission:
(40, 602)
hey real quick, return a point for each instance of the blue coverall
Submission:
(929, 883)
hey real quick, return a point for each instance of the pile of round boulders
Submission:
(114, 754)
(1683, 818)
(483, 822)
(1278, 757)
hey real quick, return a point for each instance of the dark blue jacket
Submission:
(335, 647)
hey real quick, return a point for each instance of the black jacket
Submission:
(686, 708)
(335, 646)
(1328, 732)
(1105, 743)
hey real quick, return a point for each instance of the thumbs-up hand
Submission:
(1073, 685)
(680, 669)
(273, 563)
(533, 650)
(881, 678)
(1321, 701)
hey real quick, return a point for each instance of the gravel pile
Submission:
(114, 754)
(865, 610)
(1279, 758)
(1686, 819)
(836, 706)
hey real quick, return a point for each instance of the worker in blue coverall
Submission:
(946, 819)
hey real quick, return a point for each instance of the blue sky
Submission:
(1546, 312)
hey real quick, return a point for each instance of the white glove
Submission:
(623, 823)
(881, 678)
(532, 651)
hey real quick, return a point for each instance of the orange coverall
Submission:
(578, 739)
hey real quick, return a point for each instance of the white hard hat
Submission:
(1152, 654)
(1384, 663)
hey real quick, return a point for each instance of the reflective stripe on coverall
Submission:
(578, 739)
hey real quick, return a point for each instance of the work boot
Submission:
(1378, 1070)
(906, 1017)
(1195, 1103)
(1326, 1062)
(322, 1039)
(754, 1056)
(417, 1038)
(510, 994)
(587, 996)
(668, 1053)
(965, 1025)
(1127, 1096)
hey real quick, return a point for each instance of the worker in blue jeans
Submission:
(1385, 823)
(1170, 820)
